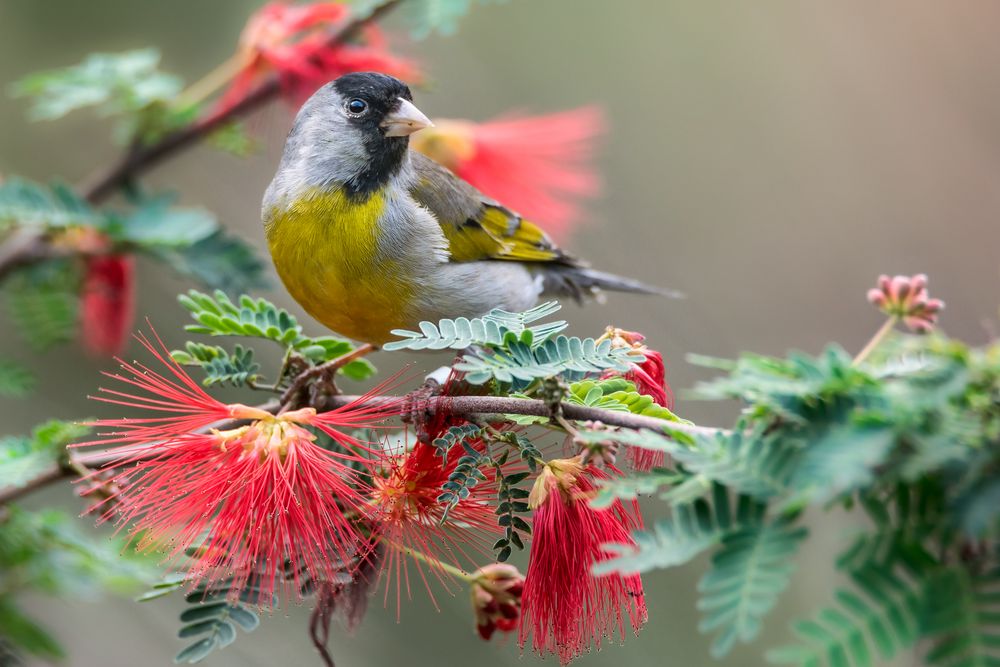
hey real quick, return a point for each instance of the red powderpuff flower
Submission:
(650, 379)
(245, 501)
(418, 528)
(294, 41)
(564, 607)
(540, 166)
(107, 303)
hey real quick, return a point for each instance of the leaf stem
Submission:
(875, 341)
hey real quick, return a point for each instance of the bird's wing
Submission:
(477, 227)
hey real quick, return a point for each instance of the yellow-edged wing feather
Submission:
(477, 227)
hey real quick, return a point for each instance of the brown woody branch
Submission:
(33, 247)
(460, 406)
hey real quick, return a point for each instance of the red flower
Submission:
(294, 41)
(496, 598)
(540, 166)
(107, 303)
(410, 519)
(245, 501)
(564, 607)
(650, 379)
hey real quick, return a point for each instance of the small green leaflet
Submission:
(112, 82)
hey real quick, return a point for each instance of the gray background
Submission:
(768, 159)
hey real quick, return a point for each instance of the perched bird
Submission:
(369, 236)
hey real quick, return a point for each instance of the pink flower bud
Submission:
(906, 298)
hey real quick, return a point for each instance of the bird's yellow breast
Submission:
(325, 247)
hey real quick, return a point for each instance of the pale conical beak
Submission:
(405, 121)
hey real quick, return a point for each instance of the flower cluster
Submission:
(299, 43)
(906, 298)
(290, 504)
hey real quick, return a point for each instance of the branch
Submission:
(142, 158)
(463, 406)
(34, 247)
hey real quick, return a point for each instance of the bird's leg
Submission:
(324, 372)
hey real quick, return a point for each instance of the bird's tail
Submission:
(579, 283)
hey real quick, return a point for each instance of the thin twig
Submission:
(327, 369)
(139, 160)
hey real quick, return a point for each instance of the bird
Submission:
(369, 236)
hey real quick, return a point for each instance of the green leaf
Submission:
(671, 542)
(21, 458)
(15, 380)
(220, 367)
(884, 622)
(30, 204)
(219, 261)
(42, 302)
(25, 634)
(490, 329)
(218, 315)
(518, 362)
(156, 223)
(114, 83)
(749, 571)
(234, 139)
(630, 488)
(212, 613)
(963, 618)
(841, 460)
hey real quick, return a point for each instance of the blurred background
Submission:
(767, 159)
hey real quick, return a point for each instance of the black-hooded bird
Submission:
(370, 236)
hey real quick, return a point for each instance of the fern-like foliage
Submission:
(43, 304)
(691, 529)
(879, 617)
(25, 203)
(221, 367)
(218, 315)
(15, 380)
(749, 571)
(22, 458)
(214, 621)
(490, 329)
(520, 363)
(963, 617)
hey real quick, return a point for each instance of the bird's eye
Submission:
(357, 106)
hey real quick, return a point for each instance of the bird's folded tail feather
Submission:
(580, 283)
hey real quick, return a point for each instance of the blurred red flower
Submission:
(650, 379)
(565, 608)
(261, 503)
(295, 41)
(539, 166)
(107, 303)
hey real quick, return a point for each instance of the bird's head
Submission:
(355, 130)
